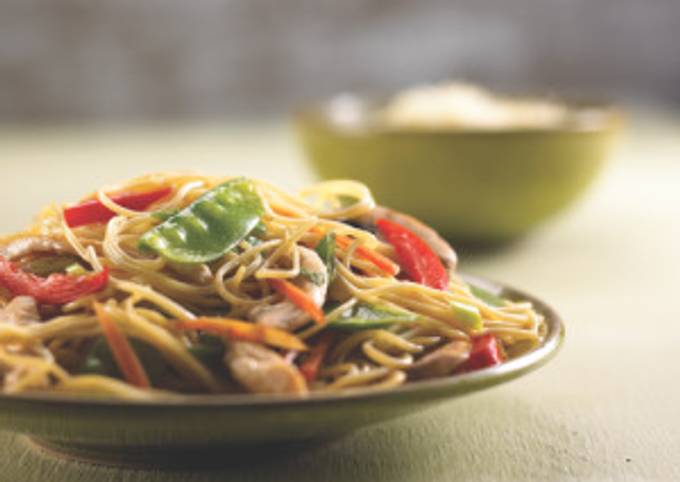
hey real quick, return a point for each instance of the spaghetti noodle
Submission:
(218, 286)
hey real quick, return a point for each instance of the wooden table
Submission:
(606, 409)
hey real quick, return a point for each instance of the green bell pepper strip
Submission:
(488, 297)
(368, 317)
(468, 315)
(210, 226)
(326, 251)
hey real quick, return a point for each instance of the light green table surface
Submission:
(608, 408)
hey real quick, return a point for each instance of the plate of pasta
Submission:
(180, 310)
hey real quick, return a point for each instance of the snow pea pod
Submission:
(326, 251)
(208, 227)
(369, 317)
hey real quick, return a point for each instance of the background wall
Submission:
(71, 60)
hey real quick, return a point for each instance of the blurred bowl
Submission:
(474, 186)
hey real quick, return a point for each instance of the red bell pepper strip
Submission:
(417, 259)
(56, 289)
(125, 356)
(310, 367)
(485, 352)
(93, 211)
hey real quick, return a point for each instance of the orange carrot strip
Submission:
(282, 211)
(310, 367)
(126, 358)
(382, 262)
(299, 299)
(244, 331)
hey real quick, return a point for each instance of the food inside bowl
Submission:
(458, 105)
(182, 283)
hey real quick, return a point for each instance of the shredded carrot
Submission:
(382, 262)
(285, 212)
(126, 358)
(385, 265)
(310, 367)
(299, 299)
(244, 331)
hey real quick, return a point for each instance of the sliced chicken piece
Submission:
(438, 244)
(314, 281)
(441, 362)
(261, 370)
(22, 310)
(32, 244)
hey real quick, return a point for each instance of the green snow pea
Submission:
(368, 317)
(208, 227)
(326, 251)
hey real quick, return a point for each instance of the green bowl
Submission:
(473, 186)
(151, 433)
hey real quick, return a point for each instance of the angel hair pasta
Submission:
(183, 283)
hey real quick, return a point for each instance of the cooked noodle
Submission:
(147, 294)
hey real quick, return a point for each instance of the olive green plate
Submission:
(134, 432)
